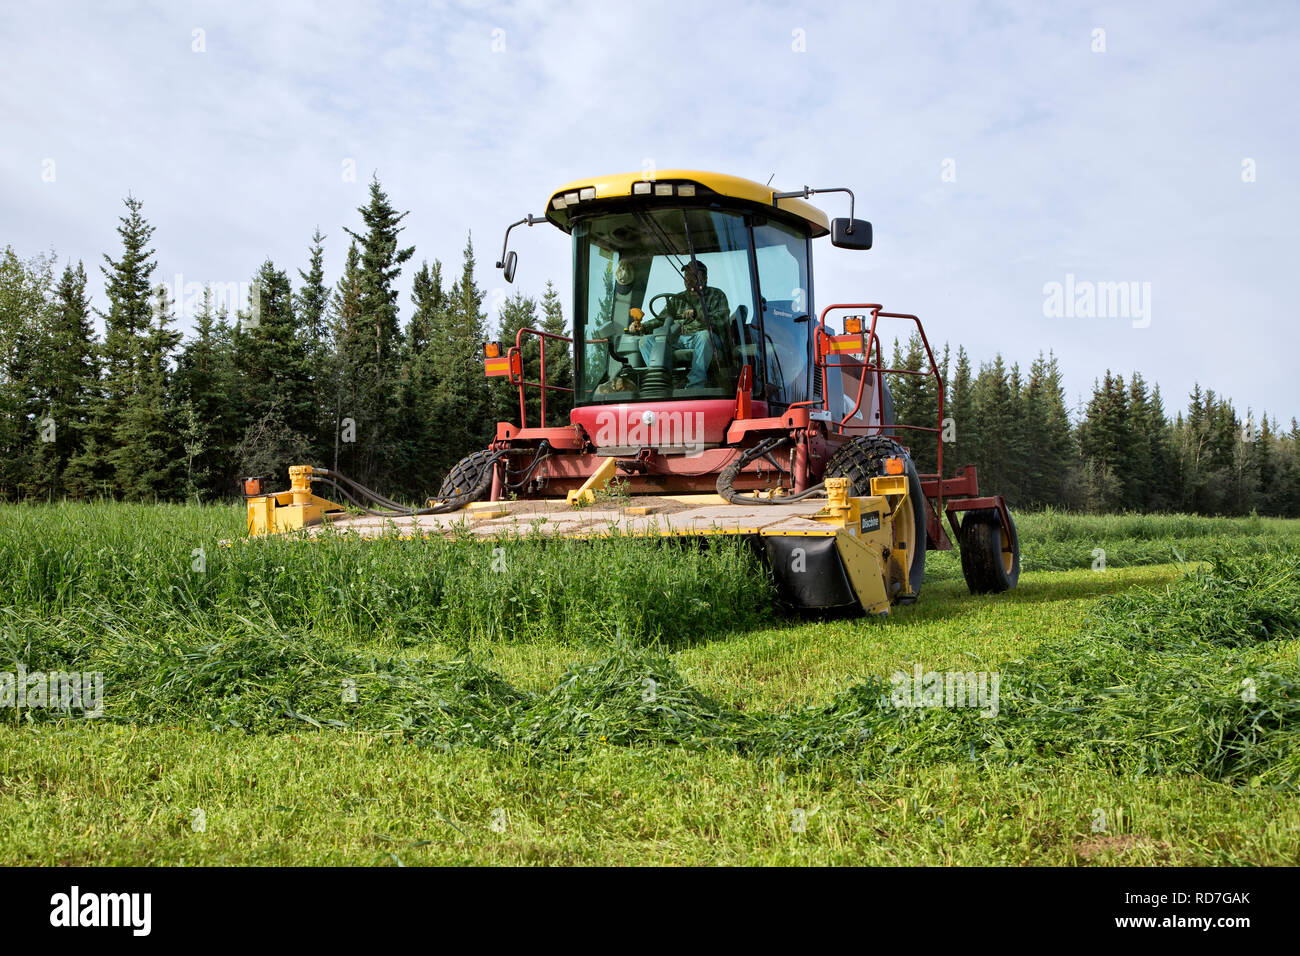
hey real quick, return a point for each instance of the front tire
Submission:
(467, 475)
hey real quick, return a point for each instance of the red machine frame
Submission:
(945, 496)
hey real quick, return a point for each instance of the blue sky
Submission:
(995, 148)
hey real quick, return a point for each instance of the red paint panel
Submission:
(688, 421)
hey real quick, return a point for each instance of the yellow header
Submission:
(733, 187)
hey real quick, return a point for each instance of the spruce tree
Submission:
(370, 353)
(208, 418)
(559, 359)
(1039, 479)
(1105, 441)
(1162, 495)
(464, 407)
(147, 451)
(272, 356)
(278, 409)
(916, 402)
(1059, 454)
(128, 284)
(1140, 474)
(311, 306)
(419, 456)
(69, 378)
(518, 312)
(960, 409)
(24, 321)
(345, 312)
(1264, 452)
(992, 409)
(1023, 468)
(1284, 492)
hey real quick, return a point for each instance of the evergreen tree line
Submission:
(301, 372)
(1118, 451)
(306, 372)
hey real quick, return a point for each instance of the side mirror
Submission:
(851, 233)
(512, 260)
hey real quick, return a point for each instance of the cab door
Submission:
(785, 287)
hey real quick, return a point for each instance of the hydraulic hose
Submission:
(387, 508)
(764, 448)
(543, 453)
(348, 496)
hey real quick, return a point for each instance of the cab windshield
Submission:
(664, 305)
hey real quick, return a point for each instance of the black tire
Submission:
(986, 567)
(860, 460)
(466, 475)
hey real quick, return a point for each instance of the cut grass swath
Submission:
(1153, 684)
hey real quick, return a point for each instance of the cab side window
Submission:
(782, 255)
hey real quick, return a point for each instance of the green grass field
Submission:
(397, 702)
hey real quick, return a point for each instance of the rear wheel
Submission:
(467, 475)
(988, 569)
(860, 460)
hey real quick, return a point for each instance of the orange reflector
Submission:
(853, 325)
(252, 487)
(893, 466)
(841, 344)
(492, 349)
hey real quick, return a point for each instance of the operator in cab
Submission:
(696, 313)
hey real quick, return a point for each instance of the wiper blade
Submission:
(690, 245)
(664, 241)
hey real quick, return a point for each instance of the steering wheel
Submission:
(650, 306)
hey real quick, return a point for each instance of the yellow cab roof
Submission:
(731, 187)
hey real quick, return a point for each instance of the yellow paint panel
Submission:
(599, 479)
(865, 566)
(733, 187)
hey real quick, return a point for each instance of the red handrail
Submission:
(517, 349)
(872, 343)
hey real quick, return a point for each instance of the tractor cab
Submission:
(688, 287)
(646, 333)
